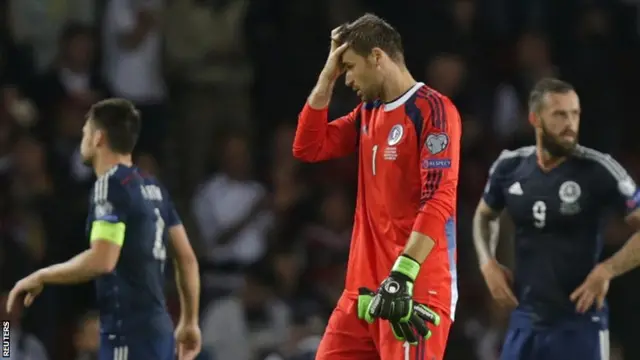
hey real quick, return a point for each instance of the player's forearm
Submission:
(429, 229)
(81, 268)
(418, 246)
(310, 141)
(625, 259)
(485, 230)
(188, 283)
(320, 96)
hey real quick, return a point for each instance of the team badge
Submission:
(569, 194)
(103, 209)
(437, 143)
(395, 135)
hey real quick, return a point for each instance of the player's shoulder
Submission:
(429, 98)
(509, 160)
(601, 163)
(108, 185)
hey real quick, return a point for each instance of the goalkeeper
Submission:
(403, 248)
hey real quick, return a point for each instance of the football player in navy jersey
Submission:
(558, 195)
(131, 223)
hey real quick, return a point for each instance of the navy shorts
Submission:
(582, 340)
(159, 347)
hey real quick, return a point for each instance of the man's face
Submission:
(90, 140)
(362, 75)
(559, 120)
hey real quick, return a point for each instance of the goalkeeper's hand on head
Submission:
(394, 302)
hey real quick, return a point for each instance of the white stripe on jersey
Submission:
(509, 154)
(626, 185)
(613, 167)
(121, 353)
(603, 337)
(101, 187)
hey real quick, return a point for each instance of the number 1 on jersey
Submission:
(373, 159)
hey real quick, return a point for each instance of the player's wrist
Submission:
(608, 270)
(407, 267)
(488, 263)
(186, 320)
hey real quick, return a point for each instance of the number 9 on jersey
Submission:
(539, 214)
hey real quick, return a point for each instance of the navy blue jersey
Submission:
(558, 217)
(131, 298)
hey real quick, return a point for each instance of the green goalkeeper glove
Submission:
(394, 302)
(410, 331)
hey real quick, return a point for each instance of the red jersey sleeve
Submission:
(439, 165)
(318, 139)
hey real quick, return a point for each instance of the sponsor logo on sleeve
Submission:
(436, 163)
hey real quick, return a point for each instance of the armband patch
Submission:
(104, 230)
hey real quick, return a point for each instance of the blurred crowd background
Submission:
(219, 84)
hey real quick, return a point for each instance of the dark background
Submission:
(236, 74)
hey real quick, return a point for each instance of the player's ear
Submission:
(376, 55)
(99, 137)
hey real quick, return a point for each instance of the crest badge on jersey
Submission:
(395, 135)
(569, 194)
(437, 143)
(103, 209)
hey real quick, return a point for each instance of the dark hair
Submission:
(120, 119)
(544, 87)
(370, 31)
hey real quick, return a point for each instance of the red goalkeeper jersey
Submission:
(408, 153)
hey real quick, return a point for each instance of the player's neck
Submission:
(396, 84)
(546, 161)
(104, 163)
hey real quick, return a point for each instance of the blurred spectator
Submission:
(248, 323)
(40, 24)
(328, 238)
(86, 338)
(449, 74)
(533, 63)
(23, 345)
(132, 64)
(71, 76)
(208, 63)
(592, 50)
(231, 213)
(67, 120)
(290, 205)
(16, 63)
